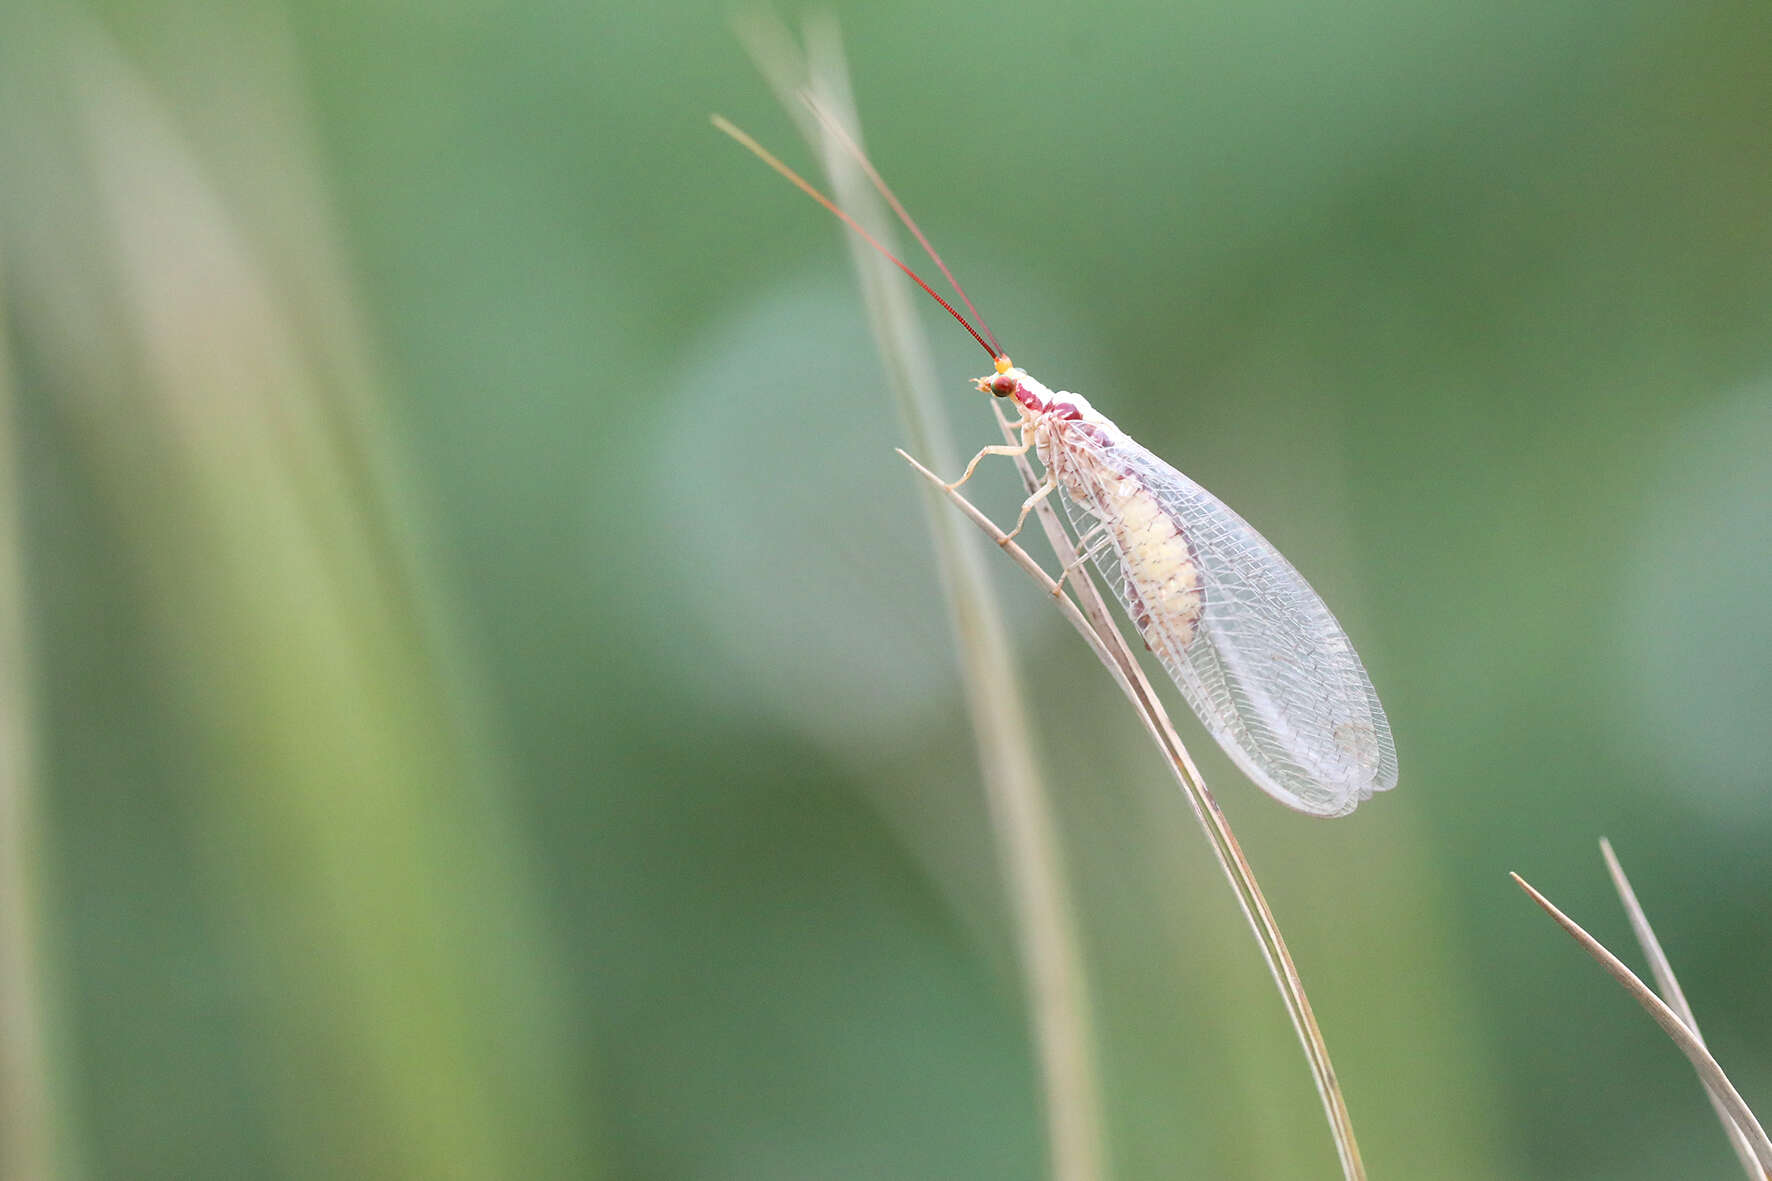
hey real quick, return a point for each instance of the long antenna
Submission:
(855, 151)
(758, 150)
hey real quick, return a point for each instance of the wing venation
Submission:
(1266, 666)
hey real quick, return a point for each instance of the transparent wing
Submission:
(1266, 666)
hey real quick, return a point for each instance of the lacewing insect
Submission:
(1251, 646)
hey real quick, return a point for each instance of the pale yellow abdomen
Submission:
(1165, 597)
(1154, 556)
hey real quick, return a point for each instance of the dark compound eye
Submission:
(1003, 385)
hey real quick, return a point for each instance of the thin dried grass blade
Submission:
(1092, 622)
(1709, 1072)
(1213, 822)
(1663, 971)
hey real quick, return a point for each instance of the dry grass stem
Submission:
(1675, 997)
(1092, 621)
(1213, 822)
(1049, 947)
(1711, 1074)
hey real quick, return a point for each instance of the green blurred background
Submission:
(477, 701)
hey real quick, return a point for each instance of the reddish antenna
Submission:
(758, 150)
(860, 157)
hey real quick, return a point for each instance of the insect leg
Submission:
(1027, 506)
(999, 449)
(1088, 546)
(1094, 541)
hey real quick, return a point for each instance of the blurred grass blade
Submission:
(32, 1147)
(360, 855)
(1709, 1072)
(1050, 949)
(1675, 997)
